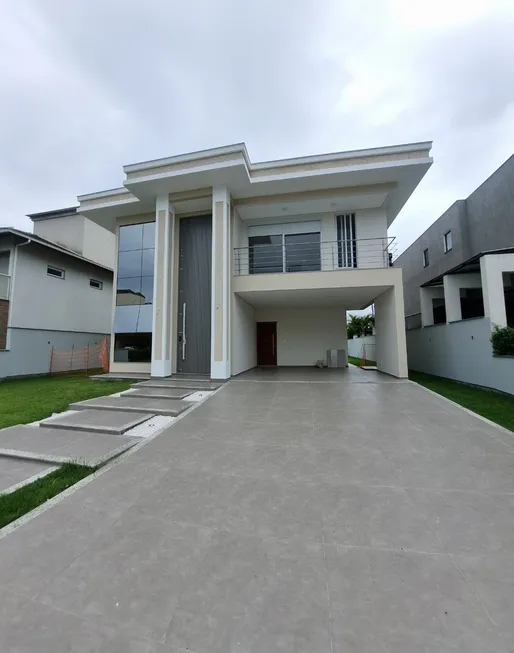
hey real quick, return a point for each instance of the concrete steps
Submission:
(110, 422)
(126, 405)
(157, 392)
(95, 431)
(60, 445)
(182, 384)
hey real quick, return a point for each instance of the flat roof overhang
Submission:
(361, 179)
(353, 289)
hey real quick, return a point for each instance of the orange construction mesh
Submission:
(94, 357)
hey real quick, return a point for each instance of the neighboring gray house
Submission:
(458, 279)
(53, 295)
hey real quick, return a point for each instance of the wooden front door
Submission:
(266, 343)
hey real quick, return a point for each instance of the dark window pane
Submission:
(439, 311)
(132, 347)
(471, 303)
(147, 290)
(128, 292)
(265, 254)
(147, 262)
(129, 264)
(131, 237)
(508, 293)
(303, 252)
(149, 235)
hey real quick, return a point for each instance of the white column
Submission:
(163, 303)
(452, 298)
(491, 267)
(221, 276)
(452, 284)
(426, 295)
(391, 346)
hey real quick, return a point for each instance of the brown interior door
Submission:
(266, 343)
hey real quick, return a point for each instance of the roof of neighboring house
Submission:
(48, 243)
(471, 265)
(57, 213)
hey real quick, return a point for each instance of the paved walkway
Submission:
(303, 517)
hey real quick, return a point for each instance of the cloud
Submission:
(91, 86)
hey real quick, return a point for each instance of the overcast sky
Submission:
(90, 85)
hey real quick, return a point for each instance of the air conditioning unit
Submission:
(336, 358)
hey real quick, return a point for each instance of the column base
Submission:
(220, 370)
(161, 368)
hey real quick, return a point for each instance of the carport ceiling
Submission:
(352, 299)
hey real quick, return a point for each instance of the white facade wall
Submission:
(452, 284)
(426, 295)
(39, 301)
(491, 267)
(81, 235)
(99, 244)
(371, 235)
(305, 334)
(370, 232)
(243, 336)
(391, 349)
(67, 231)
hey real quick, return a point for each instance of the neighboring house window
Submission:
(346, 241)
(425, 258)
(508, 294)
(134, 293)
(94, 283)
(471, 302)
(439, 310)
(55, 272)
(447, 241)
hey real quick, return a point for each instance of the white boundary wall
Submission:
(461, 351)
(365, 344)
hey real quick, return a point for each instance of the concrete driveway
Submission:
(320, 514)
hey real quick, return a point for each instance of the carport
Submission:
(301, 323)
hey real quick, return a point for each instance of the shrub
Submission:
(502, 340)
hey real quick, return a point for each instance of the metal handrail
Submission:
(314, 256)
(5, 285)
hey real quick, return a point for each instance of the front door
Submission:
(194, 295)
(266, 343)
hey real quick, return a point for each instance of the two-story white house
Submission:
(55, 290)
(224, 264)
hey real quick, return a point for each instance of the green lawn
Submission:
(357, 361)
(18, 503)
(28, 400)
(497, 407)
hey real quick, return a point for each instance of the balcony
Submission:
(305, 253)
(5, 284)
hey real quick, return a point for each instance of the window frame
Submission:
(62, 274)
(445, 242)
(425, 258)
(92, 281)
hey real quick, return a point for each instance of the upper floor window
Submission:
(447, 241)
(55, 272)
(94, 283)
(425, 258)
(281, 247)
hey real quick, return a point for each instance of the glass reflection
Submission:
(134, 293)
